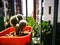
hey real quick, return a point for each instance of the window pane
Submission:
(42, 10)
(49, 9)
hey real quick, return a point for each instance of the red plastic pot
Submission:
(17, 40)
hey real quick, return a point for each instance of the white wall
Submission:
(59, 11)
(46, 14)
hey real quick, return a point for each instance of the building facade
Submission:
(48, 10)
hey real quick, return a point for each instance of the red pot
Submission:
(15, 40)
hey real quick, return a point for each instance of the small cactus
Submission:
(19, 24)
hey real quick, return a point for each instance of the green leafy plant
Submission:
(46, 32)
(35, 26)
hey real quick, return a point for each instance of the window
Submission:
(49, 9)
(42, 11)
(30, 7)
